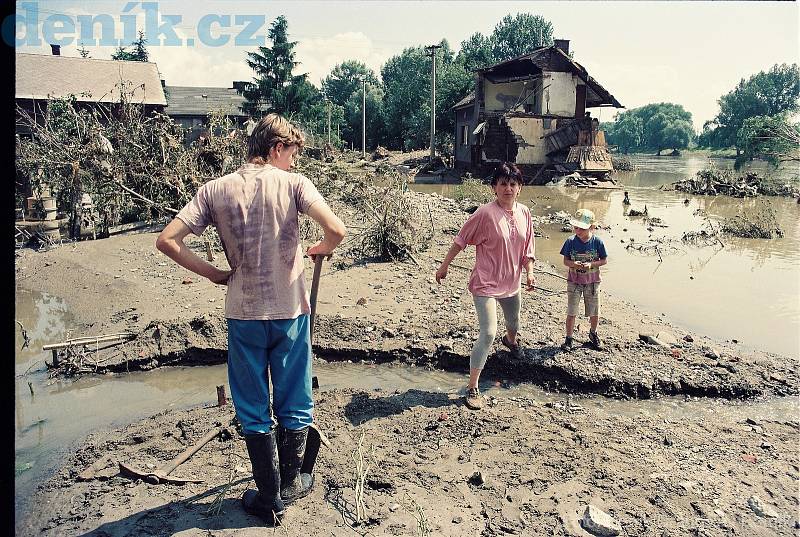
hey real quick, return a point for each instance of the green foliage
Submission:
(653, 127)
(137, 54)
(376, 118)
(472, 189)
(772, 138)
(406, 81)
(275, 88)
(768, 93)
(518, 35)
(314, 122)
(453, 82)
(513, 36)
(345, 79)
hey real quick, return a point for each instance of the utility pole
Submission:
(432, 53)
(364, 118)
(328, 102)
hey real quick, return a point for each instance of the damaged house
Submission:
(532, 110)
(191, 107)
(41, 77)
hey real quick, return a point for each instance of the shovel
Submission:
(315, 290)
(315, 435)
(313, 300)
(161, 475)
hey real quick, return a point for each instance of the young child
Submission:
(584, 253)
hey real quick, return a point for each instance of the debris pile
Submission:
(582, 181)
(712, 181)
(133, 165)
(758, 221)
(623, 164)
(380, 153)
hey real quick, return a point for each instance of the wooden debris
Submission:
(88, 340)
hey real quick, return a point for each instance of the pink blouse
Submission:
(504, 242)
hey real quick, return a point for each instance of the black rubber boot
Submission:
(292, 449)
(265, 502)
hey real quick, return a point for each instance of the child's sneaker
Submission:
(594, 340)
(473, 399)
(567, 345)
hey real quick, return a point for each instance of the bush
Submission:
(472, 189)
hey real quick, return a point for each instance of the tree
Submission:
(376, 118)
(476, 52)
(406, 81)
(314, 121)
(275, 88)
(768, 93)
(772, 138)
(653, 127)
(513, 36)
(518, 35)
(626, 132)
(345, 79)
(138, 54)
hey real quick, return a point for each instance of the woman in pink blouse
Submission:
(502, 233)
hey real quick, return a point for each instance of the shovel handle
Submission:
(315, 290)
(183, 457)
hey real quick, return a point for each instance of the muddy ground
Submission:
(541, 465)
(517, 467)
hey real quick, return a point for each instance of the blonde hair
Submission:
(271, 130)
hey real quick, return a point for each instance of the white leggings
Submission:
(486, 308)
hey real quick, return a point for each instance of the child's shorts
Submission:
(590, 292)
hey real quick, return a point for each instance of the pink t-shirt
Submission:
(503, 242)
(255, 212)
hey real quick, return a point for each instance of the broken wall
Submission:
(501, 97)
(531, 148)
(559, 94)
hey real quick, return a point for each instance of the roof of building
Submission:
(200, 101)
(42, 76)
(469, 99)
(549, 59)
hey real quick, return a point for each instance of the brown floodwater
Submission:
(748, 289)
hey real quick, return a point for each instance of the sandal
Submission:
(473, 399)
(515, 349)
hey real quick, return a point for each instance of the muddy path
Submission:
(519, 467)
(395, 312)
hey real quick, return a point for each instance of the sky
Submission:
(689, 53)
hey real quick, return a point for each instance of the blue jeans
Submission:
(260, 349)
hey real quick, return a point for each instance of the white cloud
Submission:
(184, 66)
(319, 55)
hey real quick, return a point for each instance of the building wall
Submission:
(500, 97)
(533, 149)
(558, 94)
(463, 151)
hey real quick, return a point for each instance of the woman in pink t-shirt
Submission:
(502, 233)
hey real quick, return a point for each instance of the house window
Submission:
(464, 134)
